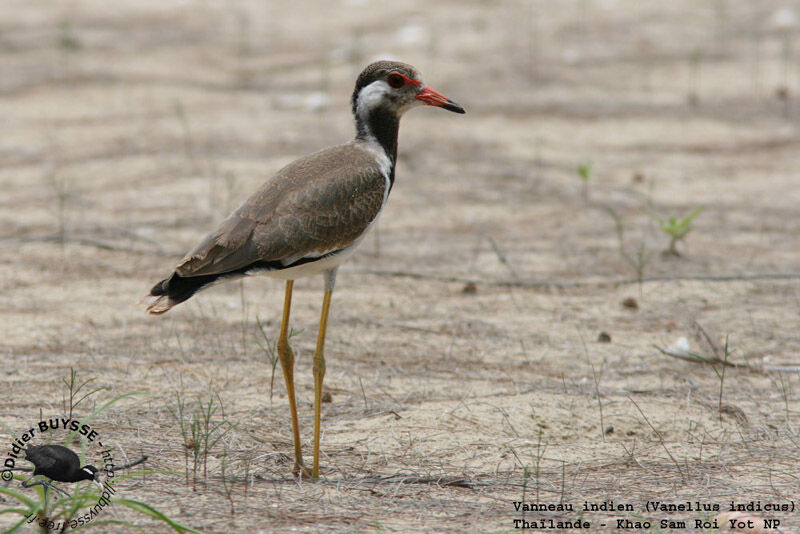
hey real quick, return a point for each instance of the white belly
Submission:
(324, 265)
(313, 267)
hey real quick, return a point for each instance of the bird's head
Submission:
(395, 87)
(90, 472)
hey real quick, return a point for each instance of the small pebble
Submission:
(604, 337)
(630, 303)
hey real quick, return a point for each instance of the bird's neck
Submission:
(379, 125)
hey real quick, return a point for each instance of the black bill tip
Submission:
(452, 106)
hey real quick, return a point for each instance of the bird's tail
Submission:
(175, 289)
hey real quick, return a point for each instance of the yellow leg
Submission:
(319, 374)
(287, 364)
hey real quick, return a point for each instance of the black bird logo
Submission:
(59, 464)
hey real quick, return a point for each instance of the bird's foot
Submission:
(301, 471)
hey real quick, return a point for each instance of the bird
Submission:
(309, 218)
(58, 463)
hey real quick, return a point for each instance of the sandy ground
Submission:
(464, 361)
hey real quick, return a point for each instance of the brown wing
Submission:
(315, 205)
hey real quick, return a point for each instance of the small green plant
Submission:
(227, 482)
(596, 387)
(270, 349)
(526, 470)
(584, 171)
(63, 192)
(540, 450)
(230, 471)
(717, 363)
(211, 432)
(526, 474)
(67, 43)
(638, 259)
(721, 373)
(67, 40)
(200, 431)
(183, 119)
(74, 387)
(178, 413)
(677, 228)
(695, 58)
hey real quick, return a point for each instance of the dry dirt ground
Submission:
(464, 361)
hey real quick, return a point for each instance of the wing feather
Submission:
(313, 206)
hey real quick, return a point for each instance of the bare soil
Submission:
(463, 355)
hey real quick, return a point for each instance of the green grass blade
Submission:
(103, 522)
(27, 501)
(148, 510)
(17, 526)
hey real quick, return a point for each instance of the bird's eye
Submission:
(396, 81)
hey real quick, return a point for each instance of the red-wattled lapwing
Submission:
(58, 463)
(310, 217)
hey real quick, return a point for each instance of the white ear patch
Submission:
(371, 96)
